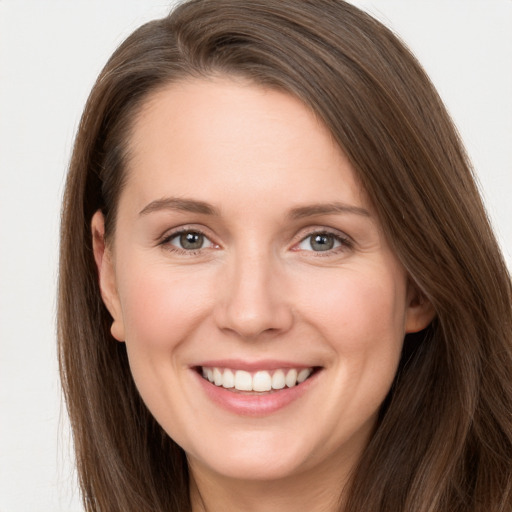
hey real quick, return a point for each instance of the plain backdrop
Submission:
(50, 53)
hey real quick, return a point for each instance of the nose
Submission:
(253, 300)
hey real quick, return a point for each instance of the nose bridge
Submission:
(254, 299)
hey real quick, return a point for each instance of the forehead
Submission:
(233, 132)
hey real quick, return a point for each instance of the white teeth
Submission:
(278, 381)
(228, 380)
(303, 375)
(217, 377)
(291, 378)
(243, 381)
(260, 381)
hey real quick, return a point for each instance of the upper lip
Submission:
(251, 366)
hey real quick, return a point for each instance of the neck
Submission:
(314, 491)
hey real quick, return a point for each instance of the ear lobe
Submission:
(420, 311)
(106, 275)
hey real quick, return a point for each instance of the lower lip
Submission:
(246, 404)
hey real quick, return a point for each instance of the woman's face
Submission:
(246, 251)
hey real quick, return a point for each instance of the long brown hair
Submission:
(444, 438)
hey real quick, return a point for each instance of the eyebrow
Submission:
(194, 206)
(178, 204)
(327, 209)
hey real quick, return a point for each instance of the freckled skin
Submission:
(257, 288)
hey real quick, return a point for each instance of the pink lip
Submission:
(252, 404)
(252, 366)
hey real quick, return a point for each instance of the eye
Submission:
(321, 242)
(188, 241)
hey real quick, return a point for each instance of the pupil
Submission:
(191, 240)
(322, 242)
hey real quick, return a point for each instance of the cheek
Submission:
(351, 301)
(362, 317)
(162, 308)
(358, 311)
(161, 305)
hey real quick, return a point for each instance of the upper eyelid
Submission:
(175, 234)
(346, 242)
(302, 234)
(169, 234)
(165, 241)
(307, 232)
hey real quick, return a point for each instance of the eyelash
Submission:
(344, 242)
(166, 241)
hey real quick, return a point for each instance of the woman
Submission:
(279, 288)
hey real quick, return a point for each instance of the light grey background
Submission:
(50, 54)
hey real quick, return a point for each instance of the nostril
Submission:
(254, 323)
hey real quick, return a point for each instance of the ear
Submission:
(420, 311)
(106, 275)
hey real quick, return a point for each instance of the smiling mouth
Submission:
(261, 381)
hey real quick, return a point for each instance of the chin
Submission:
(259, 460)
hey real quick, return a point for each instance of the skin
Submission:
(256, 290)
